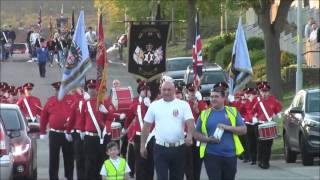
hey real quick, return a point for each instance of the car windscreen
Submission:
(11, 119)
(178, 64)
(210, 77)
(313, 102)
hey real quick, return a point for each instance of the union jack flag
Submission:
(197, 54)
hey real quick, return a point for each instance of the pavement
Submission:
(17, 72)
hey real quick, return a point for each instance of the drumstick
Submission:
(39, 107)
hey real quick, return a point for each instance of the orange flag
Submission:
(102, 66)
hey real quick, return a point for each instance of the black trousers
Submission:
(252, 134)
(57, 141)
(124, 146)
(78, 148)
(220, 168)
(131, 159)
(144, 167)
(169, 162)
(42, 69)
(244, 142)
(95, 155)
(264, 151)
(193, 162)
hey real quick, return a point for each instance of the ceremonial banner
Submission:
(78, 62)
(197, 54)
(147, 49)
(240, 72)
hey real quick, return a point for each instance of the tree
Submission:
(271, 31)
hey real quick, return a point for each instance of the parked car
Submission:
(6, 158)
(21, 51)
(24, 146)
(211, 74)
(301, 127)
(176, 67)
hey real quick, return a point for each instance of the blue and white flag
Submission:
(78, 62)
(240, 72)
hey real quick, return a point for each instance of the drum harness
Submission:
(94, 120)
(264, 110)
(29, 110)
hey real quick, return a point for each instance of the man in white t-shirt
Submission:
(170, 116)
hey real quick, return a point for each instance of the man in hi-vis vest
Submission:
(217, 129)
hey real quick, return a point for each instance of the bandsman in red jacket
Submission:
(193, 160)
(144, 168)
(264, 112)
(30, 105)
(55, 113)
(97, 129)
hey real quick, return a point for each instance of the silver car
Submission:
(6, 158)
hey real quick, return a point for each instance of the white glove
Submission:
(68, 137)
(254, 120)
(198, 96)
(124, 131)
(43, 136)
(103, 109)
(146, 101)
(82, 136)
(279, 115)
(231, 98)
(122, 116)
(86, 96)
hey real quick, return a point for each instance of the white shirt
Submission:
(116, 164)
(91, 37)
(313, 35)
(169, 118)
(33, 37)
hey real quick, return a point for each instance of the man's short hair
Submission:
(111, 145)
(90, 28)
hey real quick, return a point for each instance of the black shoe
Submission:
(264, 166)
(246, 160)
(253, 163)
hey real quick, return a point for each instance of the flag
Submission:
(78, 62)
(50, 28)
(61, 10)
(102, 66)
(72, 22)
(240, 71)
(197, 53)
(39, 18)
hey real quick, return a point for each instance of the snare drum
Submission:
(268, 130)
(122, 98)
(115, 131)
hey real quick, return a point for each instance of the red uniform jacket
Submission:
(132, 121)
(34, 104)
(201, 106)
(246, 111)
(271, 104)
(76, 120)
(104, 120)
(56, 113)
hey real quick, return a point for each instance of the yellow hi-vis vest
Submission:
(232, 117)
(112, 172)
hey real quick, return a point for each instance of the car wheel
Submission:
(307, 159)
(290, 156)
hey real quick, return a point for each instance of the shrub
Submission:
(223, 57)
(259, 72)
(255, 43)
(256, 56)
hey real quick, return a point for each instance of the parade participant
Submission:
(115, 167)
(91, 38)
(179, 94)
(56, 113)
(35, 43)
(28, 40)
(169, 150)
(116, 83)
(265, 108)
(12, 99)
(51, 45)
(43, 57)
(76, 126)
(95, 120)
(144, 167)
(30, 105)
(12, 37)
(220, 151)
(251, 123)
(193, 160)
